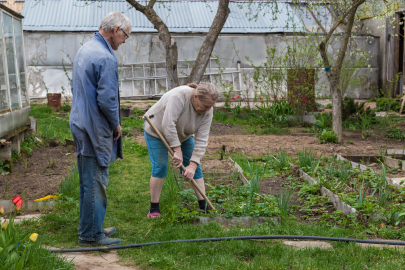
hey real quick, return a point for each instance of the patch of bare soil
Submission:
(40, 174)
(236, 141)
(218, 129)
(216, 165)
(97, 260)
(257, 145)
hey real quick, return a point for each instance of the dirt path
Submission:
(96, 260)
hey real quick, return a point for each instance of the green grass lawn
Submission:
(128, 204)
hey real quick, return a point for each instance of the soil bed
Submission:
(38, 175)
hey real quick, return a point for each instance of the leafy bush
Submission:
(395, 133)
(385, 104)
(328, 106)
(353, 109)
(324, 120)
(327, 136)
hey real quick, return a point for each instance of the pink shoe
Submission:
(154, 215)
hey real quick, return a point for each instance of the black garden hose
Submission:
(233, 238)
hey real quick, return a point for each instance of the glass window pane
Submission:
(3, 84)
(20, 61)
(10, 54)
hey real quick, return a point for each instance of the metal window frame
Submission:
(5, 62)
(155, 78)
(17, 71)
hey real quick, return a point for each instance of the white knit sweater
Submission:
(176, 119)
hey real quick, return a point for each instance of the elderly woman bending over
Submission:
(180, 114)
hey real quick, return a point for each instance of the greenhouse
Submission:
(14, 99)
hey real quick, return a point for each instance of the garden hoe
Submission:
(181, 166)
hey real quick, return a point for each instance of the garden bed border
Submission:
(30, 205)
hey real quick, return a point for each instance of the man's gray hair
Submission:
(114, 19)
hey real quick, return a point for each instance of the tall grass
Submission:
(307, 160)
(70, 186)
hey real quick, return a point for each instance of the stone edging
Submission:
(337, 203)
(27, 205)
(394, 163)
(239, 169)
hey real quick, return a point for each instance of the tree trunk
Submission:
(205, 52)
(334, 74)
(165, 37)
(337, 102)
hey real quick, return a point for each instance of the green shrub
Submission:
(324, 120)
(395, 133)
(385, 104)
(327, 136)
(328, 106)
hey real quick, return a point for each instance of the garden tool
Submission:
(181, 166)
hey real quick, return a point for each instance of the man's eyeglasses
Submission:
(126, 36)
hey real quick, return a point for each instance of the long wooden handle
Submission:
(181, 165)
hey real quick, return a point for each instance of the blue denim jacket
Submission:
(95, 104)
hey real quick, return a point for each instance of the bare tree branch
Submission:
(340, 20)
(343, 47)
(316, 19)
(151, 3)
(205, 52)
(165, 37)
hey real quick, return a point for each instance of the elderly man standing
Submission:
(95, 124)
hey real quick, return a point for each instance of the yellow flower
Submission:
(4, 226)
(2, 210)
(34, 237)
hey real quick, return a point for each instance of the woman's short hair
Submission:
(114, 19)
(206, 92)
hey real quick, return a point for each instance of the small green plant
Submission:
(327, 136)
(4, 166)
(282, 162)
(236, 111)
(395, 133)
(307, 160)
(350, 141)
(328, 106)
(283, 202)
(255, 178)
(400, 217)
(324, 121)
(344, 171)
(361, 196)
